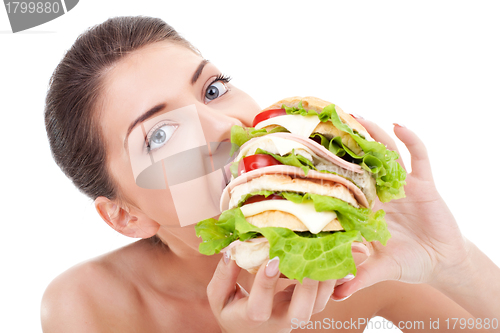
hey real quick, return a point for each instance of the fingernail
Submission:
(356, 116)
(339, 299)
(399, 125)
(226, 257)
(272, 267)
(346, 278)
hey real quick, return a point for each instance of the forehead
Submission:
(145, 75)
(154, 74)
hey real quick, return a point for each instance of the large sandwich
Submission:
(304, 181)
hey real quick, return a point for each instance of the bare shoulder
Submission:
(88, 297)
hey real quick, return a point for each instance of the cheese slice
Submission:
(275, 145)
(303, 126)
(305, 212)
(296, 124)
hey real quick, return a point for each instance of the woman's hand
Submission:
(426, 240)
(263, 309)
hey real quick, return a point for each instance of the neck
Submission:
(179, 264)
(180, 269)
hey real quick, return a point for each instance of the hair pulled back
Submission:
(72, 102)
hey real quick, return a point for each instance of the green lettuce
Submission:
(233, 168)
(377, 159)
(371, 224)
(298, 160)
(334, 145)
(322, 256)
(240, 135)
(245, 197)
(218, 234)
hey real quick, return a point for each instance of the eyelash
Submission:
(221, 77)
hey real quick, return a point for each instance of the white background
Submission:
(431, 65)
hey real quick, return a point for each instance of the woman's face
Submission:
(174, 76)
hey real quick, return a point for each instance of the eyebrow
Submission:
(198, 71)
(160, 107)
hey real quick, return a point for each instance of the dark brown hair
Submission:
(71, 106)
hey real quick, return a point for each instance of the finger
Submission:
(380, 135)
(348, 277)
(420, 164)
(281, 303)
(377, 133)
(325, 291)
(303, 300)
(374, 270)
(260, 301)
(239, 293)
(284, 296)
(222, 286)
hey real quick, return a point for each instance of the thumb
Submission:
(222, 287)
(375, 269)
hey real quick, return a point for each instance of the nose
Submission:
(215, 124)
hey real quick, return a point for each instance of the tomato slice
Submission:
(257, 161)
(264, 115)
(259, 198)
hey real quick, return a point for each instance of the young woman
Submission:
(127, 70)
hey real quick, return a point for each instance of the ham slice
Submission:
(294, 172)
(318, 149)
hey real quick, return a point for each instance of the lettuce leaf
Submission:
(321, 256)
(299, 110)
(244, 198)
(240, 135)
(233, 168)
(298, 160)
(334, 145)
(218, 234)
(389, 174)
(377, 159)
(371, 224)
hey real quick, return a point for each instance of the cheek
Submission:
(156, 204)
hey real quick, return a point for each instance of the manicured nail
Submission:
(226, 257)
(346, 278)
(356, 116)
(339, 299)
(272, 267)
(399, 125)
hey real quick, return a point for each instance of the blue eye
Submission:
(217, 88)
(160, 136)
